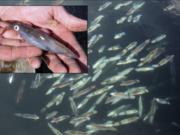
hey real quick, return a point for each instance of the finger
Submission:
(82, 61)
(13, 42)
(12, 34)
(35, 62)
(4, 24)
(71, 63)
(44, 30)
(68, 37)
(9, 53)
(27, 23)
(54, 63)
(69, 21)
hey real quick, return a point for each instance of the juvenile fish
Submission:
(81, 84)
(147, 116)
(21, 89)
(98, 62)
(127, 3)
(138, 49)
(139, 92)
(138, 5)
(99, 100)
(125, 121)
(153, 110)
(84, 92)
(60, 98)
(136, 19)
(101, 49)
(119, 35)
(118, 6)
(50, 103)
(128, 112)
(129, 47)
(93, 27)
(57, 132)
(100, 91)
(51, 114)
(117, 57)
(78, 84)
(101, 66)
(53, 75)
(89, 51)
(126, 61)
(77, 77)
(61, 85)
(61, 118)
(135, 89)
(111, 99)
(97, 20)
(162, 101)
(82, 103)
(129, 18)
(37, 80)
(140, 106)
(94, 39)
(11, 77)
(131, 11)
(130, 82)
(126, 71)
(161, 37)
(148, 57)
(122, 95)
(105, 6)
(121, 20)
(114, 48)
(73, 106)
(80, 120)
(55, 83)
(94, 78)
(116, 111)
(169, 8)
(71, 132)
(157, 54)
(88, 114)
(28, 116)
(144, 69)
(58, 2)
(100, 127)
(163, 62)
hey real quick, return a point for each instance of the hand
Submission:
(53, 18)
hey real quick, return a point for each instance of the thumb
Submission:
(69, 21)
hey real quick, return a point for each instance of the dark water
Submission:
(154, 21)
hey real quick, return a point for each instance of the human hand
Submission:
(59, 22)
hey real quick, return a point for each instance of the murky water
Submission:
(160, 83)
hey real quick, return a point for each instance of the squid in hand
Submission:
(39, 39)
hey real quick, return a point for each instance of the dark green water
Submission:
(154, 21)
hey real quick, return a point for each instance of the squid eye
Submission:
(16, 27)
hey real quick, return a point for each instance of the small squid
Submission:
(39, 39)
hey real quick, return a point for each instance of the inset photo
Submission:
(43, 39)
